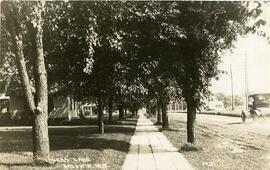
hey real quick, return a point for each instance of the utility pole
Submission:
(232, 86)
(246, 82)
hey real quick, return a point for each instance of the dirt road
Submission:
(227, 142)
(261, 125)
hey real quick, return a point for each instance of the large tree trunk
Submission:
(158, 114)
(110, 109)
(40, 131)
(40, 138)
(100, 116)
(191, 122)
(165, 119)
(38, 107)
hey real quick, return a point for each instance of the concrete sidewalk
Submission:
(151, 150)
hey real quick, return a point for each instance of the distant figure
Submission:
(243, 116)
(251, 102)
(252, 106)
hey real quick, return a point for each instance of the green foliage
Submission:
(135, 51)
(213, 28)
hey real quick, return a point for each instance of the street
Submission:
(227, 142)
(252, 134)
(261, 125)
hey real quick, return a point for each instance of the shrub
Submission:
(190, 147)
(22, 116)
(5, 116)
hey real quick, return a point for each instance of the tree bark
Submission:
(40, 132)
(148, 110)
(152, 110)
(158, 114)
(133, 110)
(38, 107)
(100, 116)
(110, 109)
(121, 112)
(40, 137)
(165, 119)
(191, 122)
(133, 113)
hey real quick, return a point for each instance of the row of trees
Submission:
(227, 100)
(122, 55)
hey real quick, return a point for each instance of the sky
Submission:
(255, 51)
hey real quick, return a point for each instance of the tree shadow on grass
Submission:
(116, 138)
(93, 121)
(235, 123)
(16, 141)
(122, 122)
(16, 164)
(171, 129)
(88, 142)
(78, 131)
(129, 120)
(88, 139)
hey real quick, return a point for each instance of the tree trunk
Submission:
(17, 45)
(158, 114)
(133, 110)
(40, 137)
(147, 110)
(38, 107)
(121, 112)
(133, 113)
(125, 112)
(165, 119)
(152, 111)
(110, 109)
(191, 122)
(40, 131)
(100, 116)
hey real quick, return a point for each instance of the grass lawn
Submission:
(223, 148)
(70, 147)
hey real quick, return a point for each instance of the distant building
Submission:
(60, 103)
(4, 103)
(4, 100)
(88, 109)
(177, 106)
(59, 106)
(63, 107)
(214, 104)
